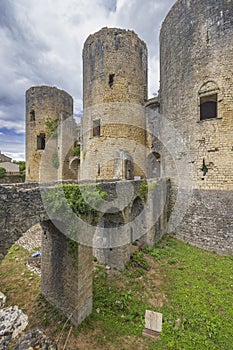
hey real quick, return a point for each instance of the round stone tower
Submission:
(196, 95)
(196, 90)
(45, 106)
(114, 93)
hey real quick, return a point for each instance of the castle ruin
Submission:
(185, 135)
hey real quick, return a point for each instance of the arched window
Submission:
(96, 128)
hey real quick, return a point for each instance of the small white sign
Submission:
(153, 321)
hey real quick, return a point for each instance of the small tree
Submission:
(2, 172)
(22, 165)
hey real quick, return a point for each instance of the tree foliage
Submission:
(2, 172)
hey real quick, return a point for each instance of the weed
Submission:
(138, 260)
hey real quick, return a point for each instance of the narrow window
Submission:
(111, 80)
(96, 127)
(98, 171)
(204, 168)
(208, 107)
(41, 141)
(32, 116)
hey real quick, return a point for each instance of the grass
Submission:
(192, 288)
(199, 287)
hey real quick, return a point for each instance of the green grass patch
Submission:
(199, 286)
(197, 306)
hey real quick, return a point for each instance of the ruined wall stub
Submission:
(114, 92)
(66, 274)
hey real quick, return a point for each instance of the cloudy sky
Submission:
(41, 44)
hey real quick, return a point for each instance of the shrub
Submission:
(2, 172)
(75, 151)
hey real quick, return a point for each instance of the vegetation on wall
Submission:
(82, 199)
(75, 151)
(51, 126)
(84, 155)
(73, 249)
(55, 160)
(144, 189)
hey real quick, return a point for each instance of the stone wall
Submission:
(9, 179)
(21, 207)
(132, 215)
(208, 221)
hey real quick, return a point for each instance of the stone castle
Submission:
(122, 135)
(182, 138)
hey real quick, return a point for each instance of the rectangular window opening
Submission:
(96, 127)
(41, 141)
(32, 116)
(208, 107)
(111, 80)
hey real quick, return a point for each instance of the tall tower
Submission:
(114, 93)
(45, 106)
(196, 96)
(196, 70)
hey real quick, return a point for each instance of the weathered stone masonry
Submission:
(43, 104)
(196, 50)
(114, 93)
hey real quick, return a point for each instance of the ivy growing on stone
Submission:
(75, 151)
(55, 160)
(82, 199)
(144, 189)
(51, 126)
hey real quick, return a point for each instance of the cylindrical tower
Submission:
(45, 106)
(196, 94)
(196, 47)
(114, 92)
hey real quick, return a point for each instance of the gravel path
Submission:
(31, 239)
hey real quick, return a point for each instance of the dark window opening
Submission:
(32, 116)
(204, 168)
(41, 141)
(98, 171)
(208, 107)
(128, 169)
(111, 80)
(96, 127)
(76, 143)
